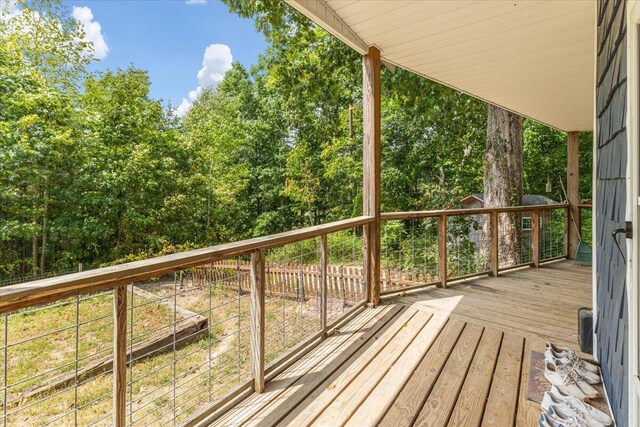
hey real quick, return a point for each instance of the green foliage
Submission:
(107, 174)
(48, 39)
(545, 160)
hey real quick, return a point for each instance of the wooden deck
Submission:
(456, 356)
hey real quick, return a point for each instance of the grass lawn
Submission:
(165, 385)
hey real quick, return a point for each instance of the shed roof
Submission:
(527, 199)
(535, 58)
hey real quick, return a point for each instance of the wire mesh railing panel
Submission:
(586, 225)
(553, 233)
(409, 253)
(468, 244)
(188, 333)
(514, 238)
(195, 346)
(292, 296)
(56, 362)
(346, 284)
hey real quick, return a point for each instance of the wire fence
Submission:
(38, 276)
(188, 337)
(468, 240)
(410, 250)
(553, 233)
(188, 333)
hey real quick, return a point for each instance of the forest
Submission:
(95, 171)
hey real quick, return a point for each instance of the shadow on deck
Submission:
(455, 356)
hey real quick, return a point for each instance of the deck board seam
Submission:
(308, 422)
(329, 374)
(432, 320)
(493, 376)
(475, 350)
(426, 396)
(522, 367)
(373, 358)
(372, 317)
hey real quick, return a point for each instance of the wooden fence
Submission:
(303, 281)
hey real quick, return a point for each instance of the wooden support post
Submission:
(371, 157)
(442, 250)
(119, 356)
(573, 192)
(323, 283)
(494, 264)
(257, 319)
(535, 238)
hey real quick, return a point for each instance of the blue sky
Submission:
(168, 38)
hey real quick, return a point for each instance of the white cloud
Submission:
(217, 60)
(182, 109)
(92, 31)
(196, 1)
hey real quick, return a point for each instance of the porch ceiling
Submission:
(535, 58)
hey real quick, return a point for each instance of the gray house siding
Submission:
(611, 93)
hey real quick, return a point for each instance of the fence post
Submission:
(442, 250)
(344, 292)
(238, 278)
(302, 298)
(535, 238)
(323, 283)
(494, 264)
(257, 319)
(119, 355)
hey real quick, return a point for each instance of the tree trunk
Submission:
(45, 218)
(503, 177)
(34, 238)
(34, 254)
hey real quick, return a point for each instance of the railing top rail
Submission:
(467, 211)
(42, 291)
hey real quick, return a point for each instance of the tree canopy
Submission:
(93, 170)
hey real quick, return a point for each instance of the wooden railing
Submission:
(118, 278)
(537, 214)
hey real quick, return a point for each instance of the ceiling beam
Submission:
(322, 14)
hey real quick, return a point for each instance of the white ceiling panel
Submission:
(535, 58)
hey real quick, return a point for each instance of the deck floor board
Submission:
(457, 356)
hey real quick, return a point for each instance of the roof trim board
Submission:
(320, 13)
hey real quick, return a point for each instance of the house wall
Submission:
(611, 158)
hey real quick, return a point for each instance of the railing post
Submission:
(442, 250)
(257, 319)
(494, 264)
(323, 283)
(535, 238)
(119, 355)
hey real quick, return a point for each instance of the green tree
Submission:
(37, 159)
(132, 188)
